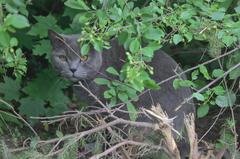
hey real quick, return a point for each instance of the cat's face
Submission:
(66, 58)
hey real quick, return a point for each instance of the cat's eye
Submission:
(84, 58)
(62, 58)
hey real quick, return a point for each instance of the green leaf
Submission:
(9, 118)
(59, 134)
(235, 73)
(32, 107)
(17, 21)
(13, 42)
(107, 94)
(151, 84)
(132, 93)
(138, 84)
(217, 15)
(237, 9)
(4, 39)
(178, 83)
(123, 97)
(198, 96)
(134, 46)
(228, 40)
(76, 4)
(112, 71)
(232, 61)
(154, 34)
(83, 17)
(195, 74)
(44, 23)
(226, 100)
(219, 90)
(148, 51)
(220, 34)
(102, 17)
(101, 81)
(98, 45)
(122, 37)
(43, 48)
(225, 3)
(84, 49)
(10, 88)
(177, 38)
(204, 71)
(189, 36)
(187, 14)
(48, 87)
(217, 73)
(132, 111)
(202, 110)
(113, 102)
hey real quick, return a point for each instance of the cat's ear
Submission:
(56, 39)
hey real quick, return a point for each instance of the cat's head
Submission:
(67, 61)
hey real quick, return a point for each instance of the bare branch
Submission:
(20, 117)
(126, 142)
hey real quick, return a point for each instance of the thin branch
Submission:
(209, 84)
(188, 70)
(196, 67)
(73, 115)
(215, 121)
(20, 117)
(129, 142)
(95, 97)
(101, 127)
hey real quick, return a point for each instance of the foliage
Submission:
(12, 20)
(45, 89)
(142, 29)
(32, 88)
(211, 96)
(227, 138)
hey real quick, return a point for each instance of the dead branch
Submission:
(192, 136)
(125, 142)
(79, 135)
(95, 97)
(166, 125)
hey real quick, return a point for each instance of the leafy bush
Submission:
(32, 88)
(144, 28)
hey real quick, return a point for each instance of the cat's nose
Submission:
(73, 70)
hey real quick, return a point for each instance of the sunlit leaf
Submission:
(226, 100)
(204, 71)
(17, 21)
(112, 71)
(177, 38)
(198, 96)
(202, 110)
(217, 15)
(132, 111)
(154, 34)
(101, 81)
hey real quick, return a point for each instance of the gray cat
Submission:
(70, 66)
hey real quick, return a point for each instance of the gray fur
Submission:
(83, 70)
(164, 67)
